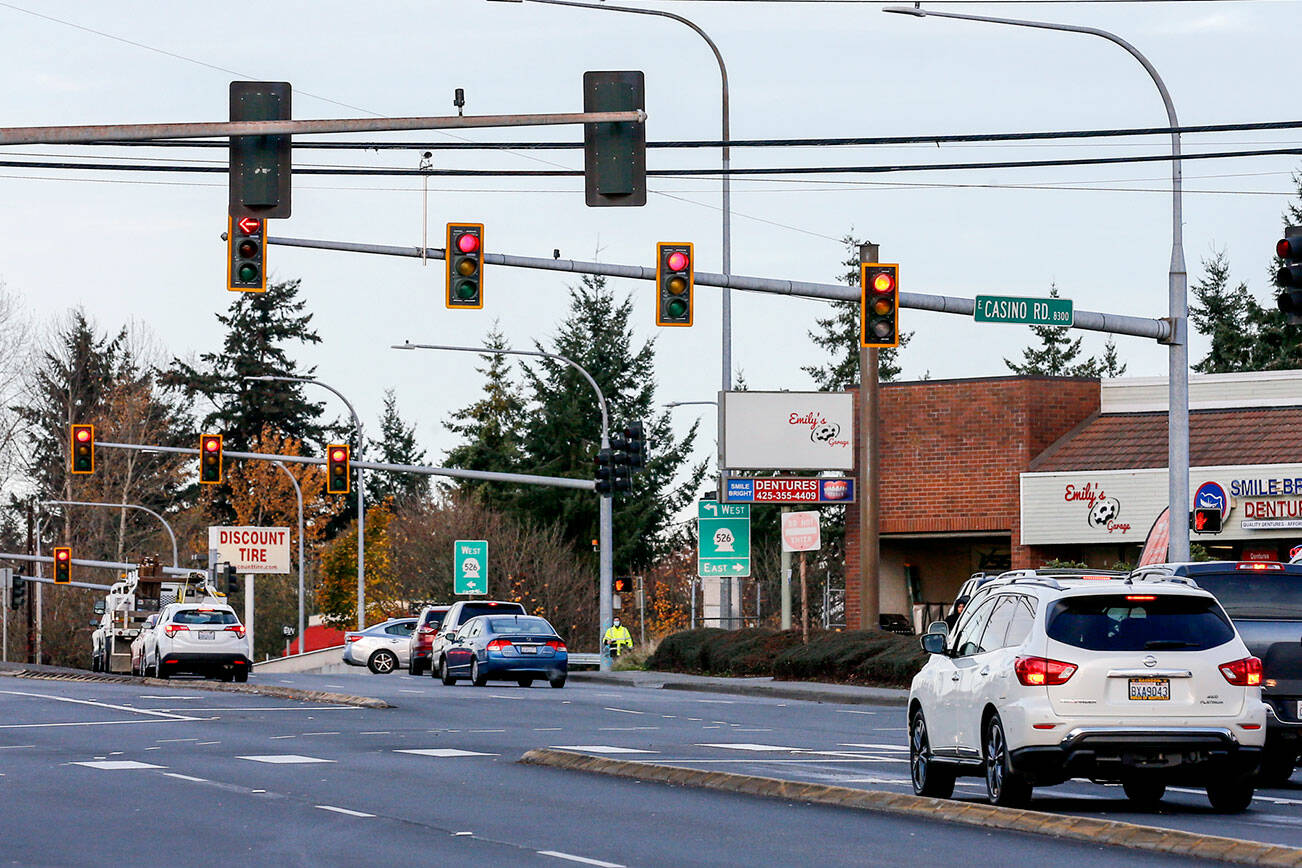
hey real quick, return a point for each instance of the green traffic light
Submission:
(676, 308)
(467, 290)
(248, 272)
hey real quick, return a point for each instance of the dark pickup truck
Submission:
(1264, 600)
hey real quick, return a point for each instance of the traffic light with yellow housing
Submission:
(83, 449)
(246, 254)
(879, 308)
(675, 281)
(465, 260)
(337, 468)
(62, 565)
(210, 459)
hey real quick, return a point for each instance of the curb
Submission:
(1086, 829)
(773, 690)
(218, 687)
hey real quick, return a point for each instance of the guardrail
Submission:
(579, 659)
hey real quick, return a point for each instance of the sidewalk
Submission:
(809, 691)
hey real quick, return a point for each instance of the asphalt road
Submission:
(95, 774)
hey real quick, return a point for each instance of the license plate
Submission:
(1299, 709)
(528, 649)
(1150, 688)
(207, 634)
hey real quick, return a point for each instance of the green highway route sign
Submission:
(1027, 311)
(722, 539)
(470, 566)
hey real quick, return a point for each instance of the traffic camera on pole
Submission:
(62, 565)
(83, 449)
(18, 592)
(465, 259)
(675, 281)
(879, 308)
(260, 166)
(614, 154)
(210, 459)
(337, 468)
(246, 249)
(1289, 276)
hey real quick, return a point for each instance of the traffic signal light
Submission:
(622, 480)
(246, 248)
(1206, 520)
(210, 459)
(231, 579)
(674, 283)
(62, 565)
(621, 585)
(1289, 276)
(879, 307)
(260, 166)
(614, 154)
(83, 449)
(18, 592)
(465, 258)
(635, 442)
(605, 471)
(337, 468)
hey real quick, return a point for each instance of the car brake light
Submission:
(1042, 672)
(352, 637)
(1136, 598)
(238, 630)
(172, 629)
(499, 644)
(1243, 673)
(556, 645)
(1251, 565)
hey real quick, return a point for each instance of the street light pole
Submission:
(298, 492)
(1177, 283)
(168, 527)
(605, 517)
(361, 489)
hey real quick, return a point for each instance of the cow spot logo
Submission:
(723, 540)
(825, 433)
(1104, 511)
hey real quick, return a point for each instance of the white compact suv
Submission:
(1048, 677)
(200, 638)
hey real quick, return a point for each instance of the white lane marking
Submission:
(625, 728)
(274, 708)
(758, 729)
(717, 701)
(485, 730)
(284, 759)
(599, 748)
(896, 781)
(344, 811)
(202, 743)
(748, 746)
(126, 708)
(274, 737)
(1274, 800)
(877, 746)
(336, 685)
(669, 716)
(624, 710)
(696, 719)
(175, 698)
(570, 857)
(444, 752)
(318, 733)
(93, 723)
(371, 732)
(17, 746)
(409, 690)
(547, 729)
(852, 711)
(155, 747)
(185, 777)
(118, 765)
(462, 834)
(768, 761)
(167, 740)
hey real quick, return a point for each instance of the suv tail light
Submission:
(1243, 673)
(238, 630)
(556, 645)
(499, 644)
(427, 630)
(172, 629)
(1043, 672)
(352, 637)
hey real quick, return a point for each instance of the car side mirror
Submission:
(938, 627)
(99, 607)
(933, 643)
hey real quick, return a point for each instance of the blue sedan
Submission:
(519, 648)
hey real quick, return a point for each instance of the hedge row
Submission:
(858, 657)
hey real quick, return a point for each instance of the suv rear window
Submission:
(470, 610)
(1255, 595)
(195, 616)
(1122, 622)
(433, 618)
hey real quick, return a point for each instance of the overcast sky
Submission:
(145, 247)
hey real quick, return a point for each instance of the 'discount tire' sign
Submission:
(251, 550)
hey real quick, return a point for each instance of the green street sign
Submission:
(470, 566)
(1026, 311)
(722, 539)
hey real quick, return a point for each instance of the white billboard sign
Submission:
(787, 430)
(251, 550)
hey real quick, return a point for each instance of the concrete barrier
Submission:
(322, 662)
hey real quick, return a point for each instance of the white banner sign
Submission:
(251, 550)
(801, 532)
(788, 430)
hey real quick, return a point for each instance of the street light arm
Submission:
(166, 526)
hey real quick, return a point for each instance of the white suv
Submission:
(1050, 677)
(201, 638)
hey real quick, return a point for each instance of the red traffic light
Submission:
(249, 225)
(468, 243)
(62, 554)
(883, 282)
(338, 455)
(677, 261)
(83, 434)
(211, 445)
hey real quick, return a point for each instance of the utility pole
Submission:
(869, 543)
(785, 569)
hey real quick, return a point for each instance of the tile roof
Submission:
(1132, 441)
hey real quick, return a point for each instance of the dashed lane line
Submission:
(127, 708)
(582, 860)
(349, 813)
(284, 759)
(624, 710)
(117, 765)
(182, 777)
(444, 752)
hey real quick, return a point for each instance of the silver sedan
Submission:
(382, 648)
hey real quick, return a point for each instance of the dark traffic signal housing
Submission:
(1206, 520)
(675, 281)
(1289, 275)
(635, 443)
(604, 472)
(621, 585)
(614, 154)
(210, 459)
(260, 166)
(246, 254)
(62, 565)
(465, 260)
(338, 465)
(83, 448)
(879, 308)
(18, 592)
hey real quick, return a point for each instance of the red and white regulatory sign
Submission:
(801, 532)
(251, 550)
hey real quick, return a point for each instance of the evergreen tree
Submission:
(562, 431)
(259, 328)
(492, 428)
(397, 445)
(1057, 355)
(1222, 312)
(839, 335)
(1110, 365)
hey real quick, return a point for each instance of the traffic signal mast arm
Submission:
(1120, 324)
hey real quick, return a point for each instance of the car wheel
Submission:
(1231, 795)
(476, 677)
(524, 682)
(159, 671)
(242, 676)
(382, 662)
(1004, 787)
(227, 677)
(929, 779)
(558, 682)
(1276, 767)
(1144, 792)
(416, 668)
(444, 676)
